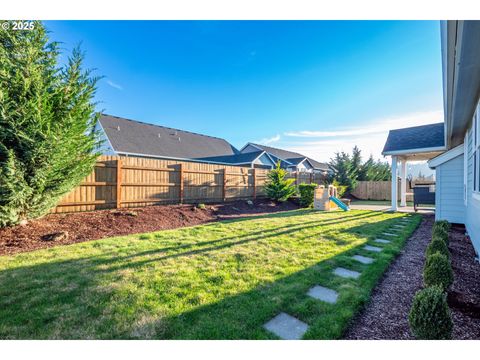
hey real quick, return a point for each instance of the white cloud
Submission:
(266, 141)
(322, 144)
(114, 85)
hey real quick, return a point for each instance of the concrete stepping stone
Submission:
(363, 259)
(324, 294)
(345, 273)
(372, 248)
(286, 327)
(389, 234)
(382, 241)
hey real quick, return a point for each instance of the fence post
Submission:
(311, 177)
(254, 175)
(224, 185)
(180, 182)
(296, 178)
(119, 183)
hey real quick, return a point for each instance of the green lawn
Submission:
(377, 202)
(218, 281)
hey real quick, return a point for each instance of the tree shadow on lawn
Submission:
(69, 299)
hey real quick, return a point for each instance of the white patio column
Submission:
(394, 183)
(403, 183)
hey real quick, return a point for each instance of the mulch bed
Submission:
(69, 228)
(386, 315)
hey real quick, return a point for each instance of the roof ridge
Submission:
(165, 127)
(417, 126)
(272, 147)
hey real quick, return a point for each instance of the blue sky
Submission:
(312, 86)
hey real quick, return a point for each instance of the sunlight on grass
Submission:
(216, 281)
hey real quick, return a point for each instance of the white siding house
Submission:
(449, 189)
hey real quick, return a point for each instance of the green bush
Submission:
(437, 245)
(307, 192)
(442, 224)
(341, 189)
(440, 233)
(201, 206)
(278, 187)
(429, 316)
(438, 271)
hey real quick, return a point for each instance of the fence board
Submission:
(144, 181)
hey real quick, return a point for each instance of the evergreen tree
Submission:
(47, 121)
(278, 187)
(343, 171)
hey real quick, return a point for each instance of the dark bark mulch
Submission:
(69, 228)
(386, 315)
(464, 294)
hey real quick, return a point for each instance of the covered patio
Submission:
(419, 143)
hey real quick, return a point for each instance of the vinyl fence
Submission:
(122, 182)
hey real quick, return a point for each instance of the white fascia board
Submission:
(446, 156)
(413, 151)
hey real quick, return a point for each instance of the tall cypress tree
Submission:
(47, 122)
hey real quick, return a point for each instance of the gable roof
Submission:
(138, 138)
(241, 158)
(290, 157)
(426, 137)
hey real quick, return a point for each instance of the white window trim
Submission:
(476, 151)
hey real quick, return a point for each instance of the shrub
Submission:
(438, 271)
(429, 316)
(201, 206)
(442, 224)
(307, 192)
(440, 233)
(279, 188)
(341, 189)
(47, 124)
(437, 245)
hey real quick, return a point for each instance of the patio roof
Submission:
(416, 143)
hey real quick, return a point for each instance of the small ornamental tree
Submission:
(47, 122)
(278, 187)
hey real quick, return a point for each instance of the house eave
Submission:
(446, 156)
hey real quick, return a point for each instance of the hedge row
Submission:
(430, 316)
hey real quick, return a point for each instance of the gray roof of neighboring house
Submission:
(417, 137)
(242, 158)
(291, 156)
(129, 136)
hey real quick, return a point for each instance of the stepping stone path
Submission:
(286, 327)
(363, 259)
(382, 241)
(372, 248)
(389, 234)
(345, 273)
(322, 293)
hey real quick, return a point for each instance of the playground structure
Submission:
(326, 199)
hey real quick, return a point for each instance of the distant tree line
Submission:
(348, 169)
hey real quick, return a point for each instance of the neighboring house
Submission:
(133, 138)
(288, 159)
(458, 163)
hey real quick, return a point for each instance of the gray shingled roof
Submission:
(291, 156)
(129, 136)
(242, 158)
(417, 137)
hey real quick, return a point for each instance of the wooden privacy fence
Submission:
(120, 182)
(378, 190)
